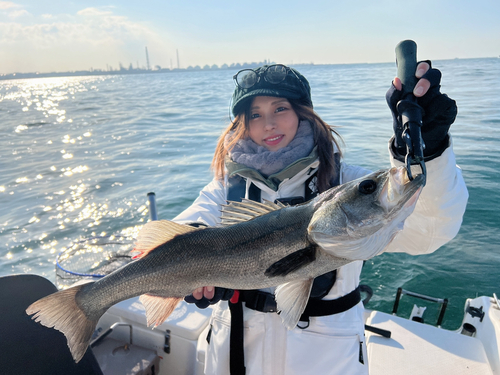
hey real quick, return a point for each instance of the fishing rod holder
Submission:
(153, 214)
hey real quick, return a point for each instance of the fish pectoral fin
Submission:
(158, 308)
(156, 233)
(292, 262)
(291, 299)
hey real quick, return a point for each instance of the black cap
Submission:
(294, 86)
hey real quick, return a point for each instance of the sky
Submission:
(62, 35)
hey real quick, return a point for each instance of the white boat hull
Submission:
(414, 348)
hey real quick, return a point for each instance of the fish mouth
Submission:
(399, 190)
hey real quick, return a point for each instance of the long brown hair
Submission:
(324, 138)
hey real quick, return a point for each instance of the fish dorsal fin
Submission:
(158, 308)
(156, 233)
(238, 212)
(291, 299)
(292, 262)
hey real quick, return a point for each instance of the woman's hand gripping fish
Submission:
(260, 245)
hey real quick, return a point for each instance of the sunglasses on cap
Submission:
(273, 74)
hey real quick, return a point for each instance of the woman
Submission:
(278, 148)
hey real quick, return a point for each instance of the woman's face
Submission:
(273, 123)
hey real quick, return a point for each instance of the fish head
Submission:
(360, 218)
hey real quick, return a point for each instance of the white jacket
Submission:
(331, 344)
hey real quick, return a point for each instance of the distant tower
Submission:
(147, 59)
(178, 65)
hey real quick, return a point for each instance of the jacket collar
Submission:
(273, 181)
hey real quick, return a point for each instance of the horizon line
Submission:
(158, 69)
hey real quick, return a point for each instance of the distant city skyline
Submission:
(129, 70)
(56, 36)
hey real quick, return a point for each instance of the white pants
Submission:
(331, 345)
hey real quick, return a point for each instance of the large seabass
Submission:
(260, 245)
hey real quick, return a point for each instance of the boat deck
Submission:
(420, 349)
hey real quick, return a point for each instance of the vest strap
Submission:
(320, 307)
(265, 302)
(259, 300)
(237, 351)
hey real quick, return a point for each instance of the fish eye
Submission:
(367, 187)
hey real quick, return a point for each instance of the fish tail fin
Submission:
(60, 311)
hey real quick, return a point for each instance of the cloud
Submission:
(18, 13)
(9, 5)
(91, 25)
(12, 10)
(93, 37)
(94, 12)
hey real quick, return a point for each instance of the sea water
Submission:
(79, 154)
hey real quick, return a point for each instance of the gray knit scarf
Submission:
(250, 154)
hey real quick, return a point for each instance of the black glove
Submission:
(220, 294)
(439, 112)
